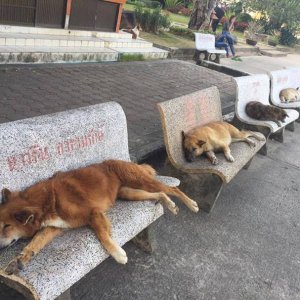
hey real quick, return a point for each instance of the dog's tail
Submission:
(142, 177)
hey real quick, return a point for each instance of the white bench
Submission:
(200, 179)
(205, 44)
(32, 150)
(282, 79)
(257, 88)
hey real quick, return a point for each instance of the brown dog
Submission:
(259, 111)
(213, 137)
(78, 198)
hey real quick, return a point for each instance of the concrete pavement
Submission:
(247, 248)
(262, 64)
(27, 91)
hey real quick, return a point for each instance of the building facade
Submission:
(92, 15)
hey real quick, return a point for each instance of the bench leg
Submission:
(291, 126)
(263, 150)
(203, 188)
(278, 136)
(247, 165)
(142, 241)
(65, 296)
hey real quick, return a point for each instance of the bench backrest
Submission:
(33, 149)
(185, 113)
(251, 88)
(204, 41)
(282, 79)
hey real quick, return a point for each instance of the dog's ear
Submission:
(297, 88)
(5, 194)
(200, 143)
(24, 217)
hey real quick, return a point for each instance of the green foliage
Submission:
(273, 40)
(244, 18)
(278, 12)
(145, 3)
(287, 37)
(253, 28)
(131, 57)
(184, 32)
(151, 20)
(172, 3)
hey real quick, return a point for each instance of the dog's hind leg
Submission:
(102, 227)
(141, 195)
(39, 241)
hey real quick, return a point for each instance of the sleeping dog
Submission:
(213, 137)
(289, 95)
(78, 198)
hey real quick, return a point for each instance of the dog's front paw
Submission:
(193, 206)
(13, 267)
(229, 157)
(251, 144)
(214, 161)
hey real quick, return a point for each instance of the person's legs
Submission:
(222, 45)
(230, 41)
(214, 25)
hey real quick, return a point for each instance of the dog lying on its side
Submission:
(259, 111)
(78, 198)
(289, 95)
(215, 136)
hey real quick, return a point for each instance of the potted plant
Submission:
(273, 40)
(252, 30)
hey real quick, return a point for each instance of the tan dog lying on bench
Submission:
(78, 198)
(215, 136)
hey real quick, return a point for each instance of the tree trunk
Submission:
(201, 12)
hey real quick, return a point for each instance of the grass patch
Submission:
(168, 39)
(131, 57)
(173, 17)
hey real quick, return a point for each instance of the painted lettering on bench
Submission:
(282, 79)
(33, 155)
(190, 119)
(36, 153)
(81, 142)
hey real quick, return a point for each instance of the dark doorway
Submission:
(51, 13)
(17, 12)
(93, 15)
(43, 13)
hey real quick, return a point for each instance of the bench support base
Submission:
(278, 136)
(204, 55)
(142, 241)
(291, 126)
(247, 165)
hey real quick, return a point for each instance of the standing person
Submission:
(219, 14)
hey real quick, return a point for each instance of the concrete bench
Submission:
(283, 79)
(200, 179)
(257, 88)
(34, 149)
(205, 45)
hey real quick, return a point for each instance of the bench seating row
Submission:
(87, 135)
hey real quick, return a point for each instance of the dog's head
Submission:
(192, 146)
(17, 220)
(283, 115)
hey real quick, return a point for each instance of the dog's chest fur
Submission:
(55, 222)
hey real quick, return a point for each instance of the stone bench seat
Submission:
(283, 79)
(34, 150)
(200, 179)
(205, 44)
(257, 88)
